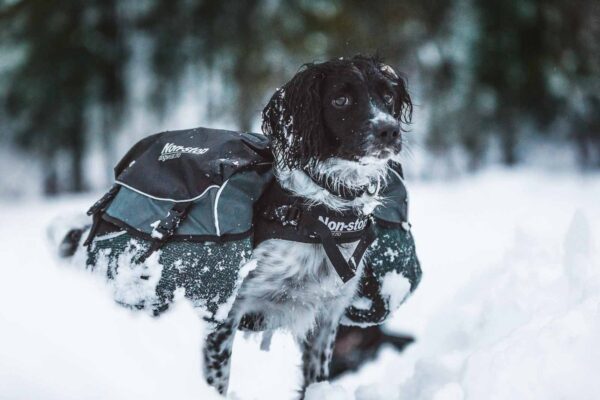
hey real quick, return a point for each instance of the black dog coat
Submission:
(189, 206)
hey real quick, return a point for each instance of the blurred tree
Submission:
(509, 64)
(111, 53)
(441, 40)
(574, 72)
(73, 58)
(502, 70)
(208, 35)
(538, 60)
(232, 37)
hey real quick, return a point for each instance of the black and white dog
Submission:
(335, 124)
(334, 129)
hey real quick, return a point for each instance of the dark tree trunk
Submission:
(508, 140)
(76, 149)
(583, 147)
(113, 90)
(509, 152)
(77, 180)
(247, 110)
(50, 178)
(245, 71)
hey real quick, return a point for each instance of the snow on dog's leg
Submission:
(217, 355)
(317, 350)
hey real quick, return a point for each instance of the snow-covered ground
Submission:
(509, 308)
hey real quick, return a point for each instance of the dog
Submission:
(334, 131)
(356, 345)
(334, 127)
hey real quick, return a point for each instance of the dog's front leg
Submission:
(317, 350)
(217, 354)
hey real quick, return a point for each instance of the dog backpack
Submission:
(180, 221)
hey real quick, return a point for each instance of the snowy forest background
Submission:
(495, 82)
(503, 172)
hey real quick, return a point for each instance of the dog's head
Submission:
(350, 109)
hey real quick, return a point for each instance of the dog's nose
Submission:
(387, 133)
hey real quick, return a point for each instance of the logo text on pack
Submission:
(340, 226)
(171, 150)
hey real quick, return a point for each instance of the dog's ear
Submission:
(403, 110)
(293, 120)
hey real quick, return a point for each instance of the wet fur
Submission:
(294, 286)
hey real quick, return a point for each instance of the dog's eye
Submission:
(388, 98)
(341, 101)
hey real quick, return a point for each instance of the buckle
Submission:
(167, 226)
(288, 215)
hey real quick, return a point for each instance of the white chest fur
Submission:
(293, 283)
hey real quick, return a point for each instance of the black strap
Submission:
(346, 269)
(96, 212)
(166, 228)
(101, 204)
(363, 245)
(283, 215)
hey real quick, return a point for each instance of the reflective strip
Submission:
(165, 199)
(108, 236)
(215, 211)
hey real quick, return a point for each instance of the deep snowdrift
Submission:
(509, 307)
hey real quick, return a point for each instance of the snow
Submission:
(508, 308)
(396, 288)
(324, 390)
(127, 287)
